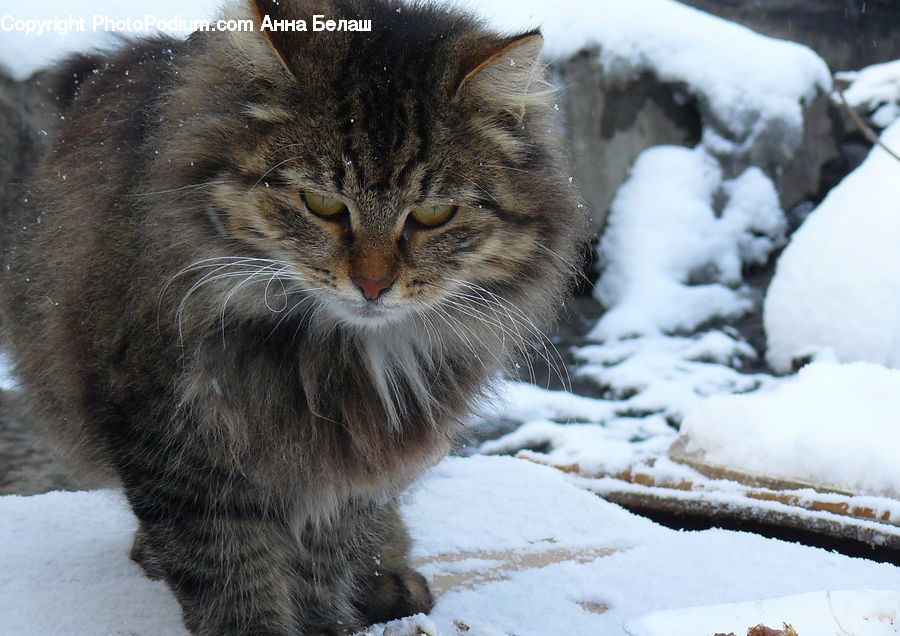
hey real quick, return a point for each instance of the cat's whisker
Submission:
(473, 335)
(478, 186)
(511, 168)
(307, 297)
(221, 270)
(276, 276)
(185, 188)
(251, 277)
(515, 337)
(434, 338)
(449, 321)
(248, 278)
(548, 352)
(270, 170)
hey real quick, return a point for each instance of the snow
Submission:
(7, 381)
(518, 547)
(833, 425)
(645, 382)
(875, 89)
(64, 569)
(738, 73)
(837, 283)
(664, 236)
(866, 612)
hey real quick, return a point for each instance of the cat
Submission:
(264, 276)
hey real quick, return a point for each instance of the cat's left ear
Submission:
(280, 42)
(508, 72)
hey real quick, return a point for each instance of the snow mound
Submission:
(670, 374)
(676, 239)
(835, 426)
(837, 284)
(876, 89)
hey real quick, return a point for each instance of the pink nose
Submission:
(372, 289)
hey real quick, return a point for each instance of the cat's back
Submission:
(72, 144)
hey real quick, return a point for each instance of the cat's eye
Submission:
(322, 204)
(433, 215)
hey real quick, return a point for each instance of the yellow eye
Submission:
(321, 204)
(433, 215)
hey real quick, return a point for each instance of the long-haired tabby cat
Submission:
(264, 275)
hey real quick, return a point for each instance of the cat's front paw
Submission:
(392, 594)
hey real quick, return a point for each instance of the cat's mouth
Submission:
(366, 313)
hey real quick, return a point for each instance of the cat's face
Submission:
(371, 254)
(397, 180)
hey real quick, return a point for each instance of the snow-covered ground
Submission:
(513, 547)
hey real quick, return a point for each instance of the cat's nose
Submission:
(372, 289)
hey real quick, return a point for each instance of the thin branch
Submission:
(867, 132)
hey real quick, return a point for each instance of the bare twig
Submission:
(867, 132)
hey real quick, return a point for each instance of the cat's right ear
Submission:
(507, 73)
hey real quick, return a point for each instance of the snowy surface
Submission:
(671, 258)
(646, 384)
(837, 284)
(7, 382)
(835, 426)
(865, 612)
(875, 89)
(515, 547)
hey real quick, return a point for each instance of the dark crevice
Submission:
(697, 522)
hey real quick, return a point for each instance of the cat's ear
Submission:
(508, 71)
(280, 41)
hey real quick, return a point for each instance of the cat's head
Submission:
(412, 168)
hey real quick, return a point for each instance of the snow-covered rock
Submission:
(677, 238)
(837, 283)
(833, 426)
(656, 72)
(876, 90)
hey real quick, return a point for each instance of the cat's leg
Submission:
(226, 556)
(142, 554)
(230, 575)
(356, 568)
(390, 588)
